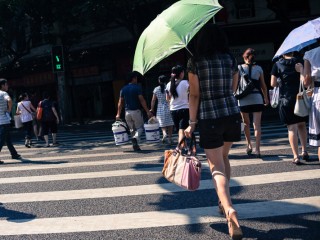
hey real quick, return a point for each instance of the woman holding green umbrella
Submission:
(213, 79)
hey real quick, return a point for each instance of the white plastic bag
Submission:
(274, 97)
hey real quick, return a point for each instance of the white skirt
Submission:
(314, 119)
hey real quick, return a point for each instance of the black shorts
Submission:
(180, 118)
(252, 108)
(214, 132)
(46, 126)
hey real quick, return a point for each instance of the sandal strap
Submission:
(296, 160)
(230, 211)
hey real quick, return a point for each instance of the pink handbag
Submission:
(183, 169)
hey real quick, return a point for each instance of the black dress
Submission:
(284, 69)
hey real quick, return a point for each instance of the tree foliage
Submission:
(28, 23)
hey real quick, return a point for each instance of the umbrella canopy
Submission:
(300, 38)
(172, 30)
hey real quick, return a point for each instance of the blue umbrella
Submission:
(300, 38)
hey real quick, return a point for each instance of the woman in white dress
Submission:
(311, 74)
(163, 114)
(25, 109)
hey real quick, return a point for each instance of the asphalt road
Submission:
(89, 188)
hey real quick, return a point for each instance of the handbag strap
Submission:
(25, 107)
(242, 72)
(301, 87)
(192, 148)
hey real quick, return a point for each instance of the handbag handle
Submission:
(192, 148)
(301, 87)
(303, 93)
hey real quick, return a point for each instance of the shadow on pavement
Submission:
(15, 216)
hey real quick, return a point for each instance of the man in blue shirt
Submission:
(131, 97)
(5, 109)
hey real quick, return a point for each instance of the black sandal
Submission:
(249, 151)
(257, 155)
(296, 161)
(305, 156)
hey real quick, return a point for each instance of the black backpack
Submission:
(245, 84)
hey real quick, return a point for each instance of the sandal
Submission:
(257, 155)
(235, 231)
(249, 151)
(221, 209)
(305, 156)
(296, 161)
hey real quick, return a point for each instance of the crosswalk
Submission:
(88, 188)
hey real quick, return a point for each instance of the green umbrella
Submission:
(172, 30)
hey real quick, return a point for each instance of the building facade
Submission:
(96, 66)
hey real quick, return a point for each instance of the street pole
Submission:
(58, 68)
(62, 95)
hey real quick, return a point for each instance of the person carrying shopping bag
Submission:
(27, 113)
(132, 99)
(310, 75)
(285, 70)
(213, 76)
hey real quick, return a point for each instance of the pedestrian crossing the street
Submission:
(89, 188)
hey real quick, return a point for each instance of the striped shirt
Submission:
(215, 78)
(4, 96)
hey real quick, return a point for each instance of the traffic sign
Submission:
(57, 58)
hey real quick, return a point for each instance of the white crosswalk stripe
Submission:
(87, 166)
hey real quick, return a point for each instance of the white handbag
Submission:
(302, 105)
(17, 121)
